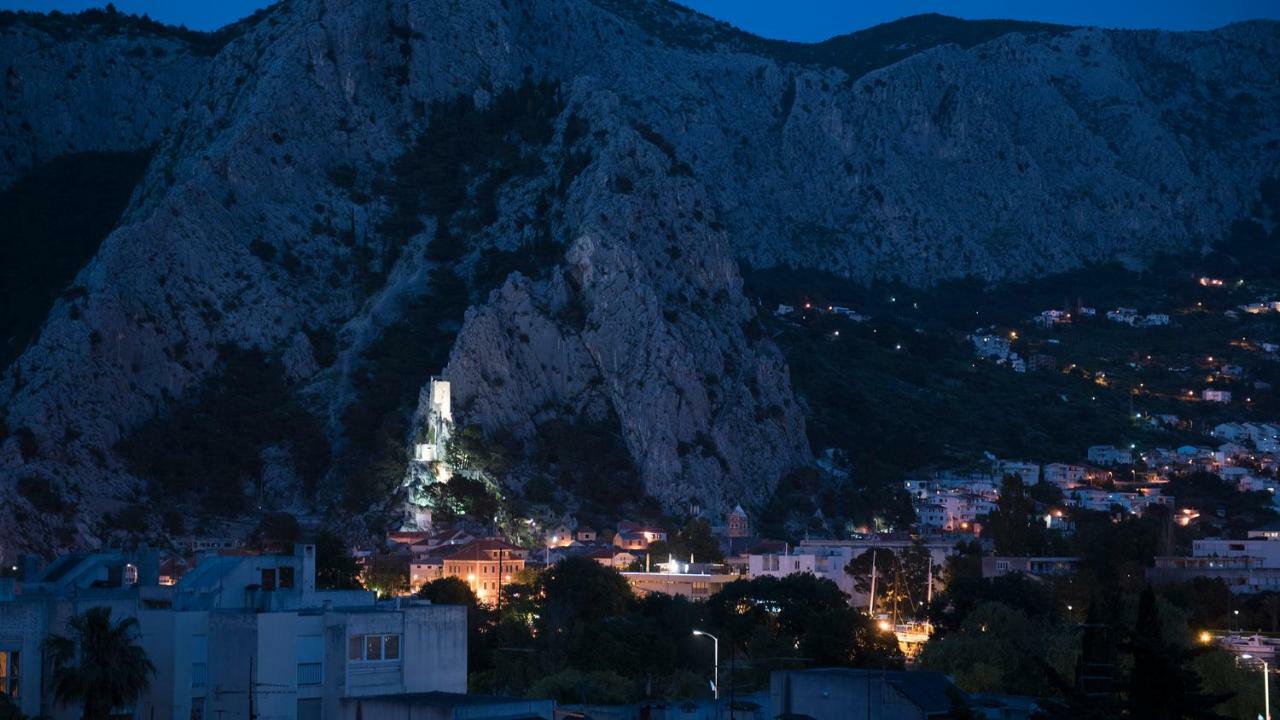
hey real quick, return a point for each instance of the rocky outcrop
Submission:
(70, 85)
(260, 222)
(646, 318)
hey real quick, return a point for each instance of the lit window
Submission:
(9, 667)
(374, 648)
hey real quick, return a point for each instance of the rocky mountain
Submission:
(550, 204)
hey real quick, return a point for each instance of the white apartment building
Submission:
(1065, 476)
(1109, 455)
(237, 629)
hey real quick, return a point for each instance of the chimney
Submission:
(308, 555)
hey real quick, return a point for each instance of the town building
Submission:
(637, 536)
(235, 630)
(1028, 472)
(1246, 566)
(1218, 396)
(997, 565)
(485, 565)
(694, 585)
(1065, 476)
(1109, 455)
(559, 536)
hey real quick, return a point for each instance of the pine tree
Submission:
(1163, 685)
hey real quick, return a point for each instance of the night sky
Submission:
(805, 20)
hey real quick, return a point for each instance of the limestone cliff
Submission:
(280, 213)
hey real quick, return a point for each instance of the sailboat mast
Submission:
(929, 591)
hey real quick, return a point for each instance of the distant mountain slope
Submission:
(551, 200)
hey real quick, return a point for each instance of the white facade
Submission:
(1109, 455)
(1065, 476)
(1029, 472)
(237, 628)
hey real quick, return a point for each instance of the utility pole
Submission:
(871, 606)
(501, 553)
(252, 714)
(715, 684)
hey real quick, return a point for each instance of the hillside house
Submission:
(1109, 455)
(637, 536)
(1217, 396)
(1065, 476)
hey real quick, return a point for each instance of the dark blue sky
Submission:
(802, 19)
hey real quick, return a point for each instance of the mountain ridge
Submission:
(272, 217)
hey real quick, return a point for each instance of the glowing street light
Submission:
(715, 683)
(1266, 686)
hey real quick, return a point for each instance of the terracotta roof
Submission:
(478, 549)
(408, 536)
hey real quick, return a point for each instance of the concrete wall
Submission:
(838, 695)
(435, 640)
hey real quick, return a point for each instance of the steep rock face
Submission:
(87, 91)
(658, 338)
(1027, 154)
(260, 221)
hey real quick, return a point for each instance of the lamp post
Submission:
(1266, 686)
(715, 683)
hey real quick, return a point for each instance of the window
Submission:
(268, 578)
(309, 673)
(199, 660)
(374, 648)
(9, 667)
(286, 577)
(1002, 566)
(310, 651)
(197, 708)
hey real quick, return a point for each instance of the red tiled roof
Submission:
(479, 549)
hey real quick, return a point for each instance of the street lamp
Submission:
(715, 683)
(1266, 686)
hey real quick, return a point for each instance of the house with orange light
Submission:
(636, 536)
(485, 565)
